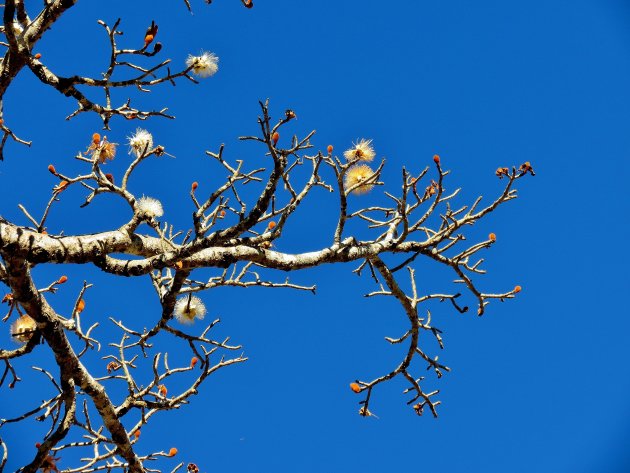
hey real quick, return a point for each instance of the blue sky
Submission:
(540, 383)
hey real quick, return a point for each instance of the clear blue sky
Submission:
(539, 384)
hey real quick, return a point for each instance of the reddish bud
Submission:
(330, 149)
(436, 159)
(271, 225)
(222, 213)
(52, 169)
(62, 279)
(136, 434)
(162, 390)
(517, 289)
(109, 177)
(193, 361)
(80, 306)
(275, 137)
(96, 138)
(38, 55)
(62, 185)
(37, 445)
(194, 186)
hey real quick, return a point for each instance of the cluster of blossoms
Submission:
(102, 150)
(359, 174)
(204, 65)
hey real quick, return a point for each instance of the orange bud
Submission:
(148, 39)
(355, 387)
(62, 279)
(222, 213)
(96, 138)
(136, 434)
(162, 390)
(492, 237)
(44, 232)
(109, 177)
(172, 452)
(179, 265)
(193, 361)
(275, 137)
(80, 306)
(330, 149)
(52, 169)
(271, 225)
(436, 159)
(37, 445)
(38, 55)
(194, 186)
(1, 121)
(517, 289)
(62, 185)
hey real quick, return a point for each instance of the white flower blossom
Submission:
(149, 207)
(362, 150)
(189, 308)
(140, 141)
(357, 175)
(204, 65)
(23, 328)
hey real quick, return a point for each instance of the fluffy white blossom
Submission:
(357, 175)
(362, 150)
(140, 141)
(204, 65)
(189, 308)
(23, 328)
(149, 207)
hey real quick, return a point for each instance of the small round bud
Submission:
(96, 138)
(172, 452)
(271, 225)
(492, 237)
(136, 434)
(38, 56)
(52, 169)
(436, 159)
(193, 361)
(194, 186)
(275, 137)
(330, 149)
(355, 387)
(109, 177)
(517, 289)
